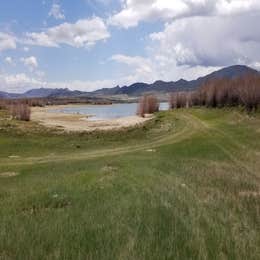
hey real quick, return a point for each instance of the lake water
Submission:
(101, 112)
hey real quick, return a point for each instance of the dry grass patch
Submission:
(8, 174)
(255, 194)
(109, 169)
(151, 150)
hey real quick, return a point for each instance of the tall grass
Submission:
(148, 104)
(242, 91)
(188, 199)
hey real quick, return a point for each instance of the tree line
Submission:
(216, 93)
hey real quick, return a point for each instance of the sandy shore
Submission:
(75, 122)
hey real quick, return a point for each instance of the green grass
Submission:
(184, 186)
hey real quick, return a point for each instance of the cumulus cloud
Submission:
(83, 33)
(210, 35)
(142, 68)
(7, 42)
(30, 62)
(210, 41)
(135, 11)
(17, 83)
(158, 66)
(56, 12)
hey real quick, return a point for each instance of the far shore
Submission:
(77, 122)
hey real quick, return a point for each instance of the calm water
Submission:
(99, 112)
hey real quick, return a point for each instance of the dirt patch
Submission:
(109, 169)
(151, 150)
(76, 122)
(8, 174)
(255, 194)
(14, 156)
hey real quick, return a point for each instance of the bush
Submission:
(3, 104)
(20, 111)
(148, 104)
(248, 89)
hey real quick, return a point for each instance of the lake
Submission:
(101, 112)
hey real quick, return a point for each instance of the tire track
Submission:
(190, 127)
(241, 164)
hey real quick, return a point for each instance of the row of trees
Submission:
(243, 91)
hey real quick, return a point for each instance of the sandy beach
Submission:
(76, 122)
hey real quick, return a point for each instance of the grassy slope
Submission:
(195, 195)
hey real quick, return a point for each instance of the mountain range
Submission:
(136, 89)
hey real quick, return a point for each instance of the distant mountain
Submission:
(137, 89)
(50, 92)
(8, 95)
(44, 93)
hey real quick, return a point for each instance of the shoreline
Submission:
(79, 123)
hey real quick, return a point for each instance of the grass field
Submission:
(184, 186)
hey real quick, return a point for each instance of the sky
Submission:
(92, 44)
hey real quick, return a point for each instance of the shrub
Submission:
(20, 111)
(148, 104)
(2, 104)
(248, 89)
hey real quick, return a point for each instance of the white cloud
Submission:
(30, 62)
(135, 11)
(40, 73)
(195, 46)
(140, 68)
(17, 83)
(158, 66)
(83, 33)
(7, 42)
(210, 41)
(26, 49)
(140, 63)
(56, 12)
(9, 60)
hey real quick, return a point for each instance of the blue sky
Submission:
(89, 44)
